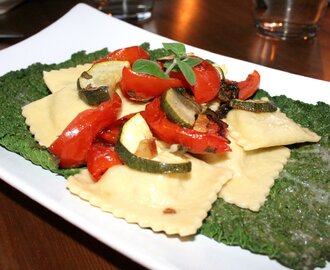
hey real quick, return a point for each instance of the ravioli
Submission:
(258, 130)
(57, 80)
(173, 203)
(49, 116)
(254, 173)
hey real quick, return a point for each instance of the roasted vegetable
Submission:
(98, 84)
(253, 105)
(192, 140)
(134, 132)
(72, 146)
(180, 108)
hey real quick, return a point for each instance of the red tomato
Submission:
(72, 145)
(130, 54)
(169, 132)
(143, 87)
(179, 75)
(207, 82)
(101, 157)
(110, 134)
(248, 87)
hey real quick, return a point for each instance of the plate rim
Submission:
(139, 256)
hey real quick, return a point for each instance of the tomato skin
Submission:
(179, 75)
(248, 87)
(169, 132)
(143, 87)
(101, 157)
(130, 54)
(110, 134)
(207, 82)
(72, 145)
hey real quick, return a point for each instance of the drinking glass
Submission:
(288, 19)
(139, 10)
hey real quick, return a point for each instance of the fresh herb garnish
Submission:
(187, 71)
(178, 49)
(149, 67)
(174, 58)
(192, 61)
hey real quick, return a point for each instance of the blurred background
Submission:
(224, 27)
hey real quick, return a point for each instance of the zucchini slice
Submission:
(98, 84)
(180, 108)
(133, 132)
(253, 105)
(221, 70)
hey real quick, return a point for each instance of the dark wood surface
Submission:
(31, 237)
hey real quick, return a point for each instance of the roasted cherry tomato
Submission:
(179, 75)
(169, 132)
(143, 87)
(72, 145)
(207, 82)
(101, 157)
(248, 87)
(130, 54)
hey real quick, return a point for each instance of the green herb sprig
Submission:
(174, 57)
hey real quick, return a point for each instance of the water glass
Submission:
(139, 10)
(288, 19)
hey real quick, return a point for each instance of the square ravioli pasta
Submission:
(254, 173)
(173, 203)
(57, 80)
(266, 129)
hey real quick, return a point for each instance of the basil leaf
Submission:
(187, 71)
(192, 61)
(177, 48)
(148, 67)
(169, 66)
(159, 53)
(155, 53)
(172, 65)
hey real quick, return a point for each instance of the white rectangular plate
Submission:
(85, 28)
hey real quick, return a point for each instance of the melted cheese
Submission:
(258, 130)
(173, 203)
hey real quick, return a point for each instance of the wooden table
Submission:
(31, 237)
